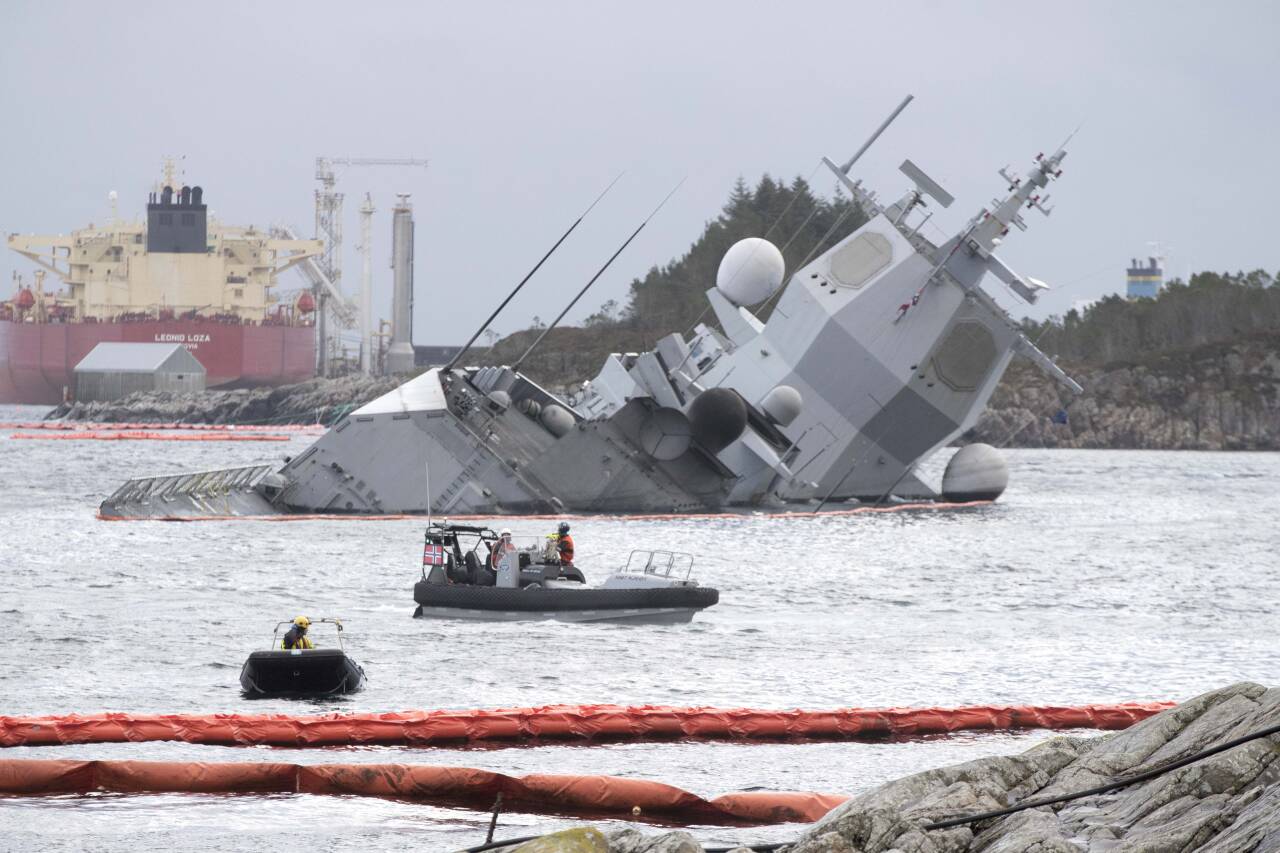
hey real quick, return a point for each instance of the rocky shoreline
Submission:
(1226, 803)
(316, 401)
(1214, 397)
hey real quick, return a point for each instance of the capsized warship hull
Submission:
(880, 352)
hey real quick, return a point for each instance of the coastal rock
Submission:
(1212, 397)
(585, 839)
(1219, 803)
(1226, 803)
(314, 401)
(632, 841)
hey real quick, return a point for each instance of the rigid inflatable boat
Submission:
(301, 673)
(473, 573)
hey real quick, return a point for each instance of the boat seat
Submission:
(476, 573)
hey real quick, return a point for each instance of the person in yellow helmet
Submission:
(296, 637)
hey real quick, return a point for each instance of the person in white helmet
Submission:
(505, 561)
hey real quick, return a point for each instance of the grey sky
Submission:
(526, 110)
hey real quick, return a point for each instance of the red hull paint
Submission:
(37, 359)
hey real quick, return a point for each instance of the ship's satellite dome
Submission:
(976, 473)
(750, 272)
(717, 417)
(782, 404)
(556, 419)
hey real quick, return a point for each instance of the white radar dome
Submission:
(782, 404)
(976, 473)
(750, 272)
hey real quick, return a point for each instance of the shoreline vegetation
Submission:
(1198, 367)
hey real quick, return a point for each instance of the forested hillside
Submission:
(1212, 308)
(1196, 367)
(672, 297)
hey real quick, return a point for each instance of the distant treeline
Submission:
(1212, 308)
(672, 298)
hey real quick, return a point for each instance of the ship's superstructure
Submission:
(179, 276)
(879, 352)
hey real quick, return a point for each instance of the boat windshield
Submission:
(277, 636)
(666, 564)
(451, 544)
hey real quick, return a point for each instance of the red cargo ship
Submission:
(179, 277)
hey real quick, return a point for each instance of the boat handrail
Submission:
(667, 564)
(275, 635)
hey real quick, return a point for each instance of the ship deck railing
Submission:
(168, 487)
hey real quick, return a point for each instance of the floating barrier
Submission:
(706, 516)
(171, 425)
(140, 435)
(450, 786)
(560, 722)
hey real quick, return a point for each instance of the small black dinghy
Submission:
(301, 672)
(475, 573)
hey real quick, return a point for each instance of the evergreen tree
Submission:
(1212, 308)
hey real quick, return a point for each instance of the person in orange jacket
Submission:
(564, 545)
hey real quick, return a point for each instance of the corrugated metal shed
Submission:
(113, 370)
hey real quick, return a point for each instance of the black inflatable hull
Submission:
(491, 603)
(308, 672)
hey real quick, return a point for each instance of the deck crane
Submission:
(329, 229)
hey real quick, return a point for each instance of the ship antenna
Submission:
(587, 286)
(848, 164)
(523, 281)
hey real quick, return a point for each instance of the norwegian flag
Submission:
(433, 555)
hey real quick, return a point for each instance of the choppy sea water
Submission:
(1100, 576)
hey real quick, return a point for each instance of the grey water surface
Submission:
(1100, 576)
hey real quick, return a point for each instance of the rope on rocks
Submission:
(1122, 782)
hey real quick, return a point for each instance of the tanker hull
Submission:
(37, 360)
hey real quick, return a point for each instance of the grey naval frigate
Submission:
(878, 353)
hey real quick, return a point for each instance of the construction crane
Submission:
(329, 229)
